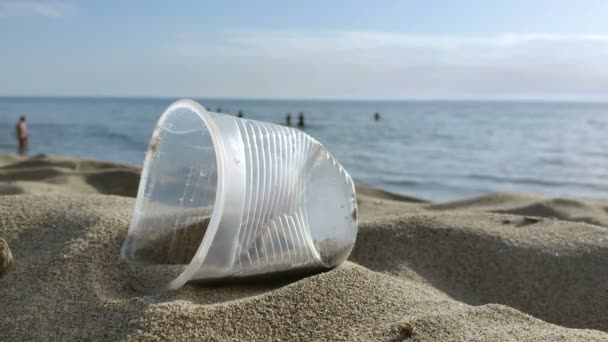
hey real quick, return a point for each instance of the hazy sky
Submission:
(306, 49)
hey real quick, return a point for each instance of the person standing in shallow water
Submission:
(240, 114)
(21, 135)
(301, 119)
(288, 119)
(377, 116)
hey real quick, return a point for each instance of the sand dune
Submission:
(60, 174)
(550, 269)
(564, 209)
(499, 267)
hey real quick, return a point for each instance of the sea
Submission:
(435, 150)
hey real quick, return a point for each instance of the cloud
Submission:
(345, 64)
(353, 46)
(379, 64)
(33, 8)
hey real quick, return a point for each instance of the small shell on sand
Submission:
(5, 256)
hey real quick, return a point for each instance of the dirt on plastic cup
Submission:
(224, 198)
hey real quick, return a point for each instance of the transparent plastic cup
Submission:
(224, 198)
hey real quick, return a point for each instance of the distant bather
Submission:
(22, 135)
(288, 119)
(301, 119)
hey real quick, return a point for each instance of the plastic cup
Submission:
(225, 198)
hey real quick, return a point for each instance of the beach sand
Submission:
(499, 267)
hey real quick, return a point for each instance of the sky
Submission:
(381, 49)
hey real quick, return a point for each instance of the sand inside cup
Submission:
(170, 247)
(161, 255)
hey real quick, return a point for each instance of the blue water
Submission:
(434, 150)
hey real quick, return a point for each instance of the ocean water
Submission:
(433, 150)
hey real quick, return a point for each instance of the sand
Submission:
(59, 174)
(500, 267)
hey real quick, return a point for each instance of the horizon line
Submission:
(318, 99)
